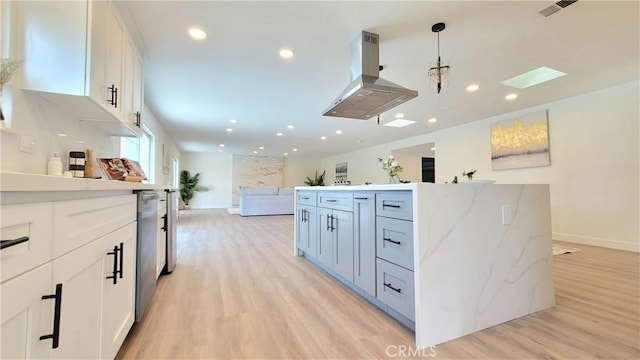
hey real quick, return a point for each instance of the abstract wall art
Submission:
(521, 142)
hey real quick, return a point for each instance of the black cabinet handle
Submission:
(114, 95)
(304, 198)
(121, 259)
(55, 336)
(115, 265)
(164, 220)
(391, 206)
(391, 241)
(333, 218)
(138, 118)
(361, 198)
(9, 243)
(305, 215)
(392, 288)
(328, 226)
(331, 200)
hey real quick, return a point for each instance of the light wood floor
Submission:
(237, 292)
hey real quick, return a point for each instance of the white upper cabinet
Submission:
(75, 55)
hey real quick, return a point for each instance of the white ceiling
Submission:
(194, 88)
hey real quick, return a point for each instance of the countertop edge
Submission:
(21, 182)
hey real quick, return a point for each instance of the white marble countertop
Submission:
(371, 187)
(33, 182)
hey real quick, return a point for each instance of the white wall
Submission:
(594, 172)
(296, 170)
(215, 173)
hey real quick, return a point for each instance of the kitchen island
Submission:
(445, 260)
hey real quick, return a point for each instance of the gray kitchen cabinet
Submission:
(364, 240)
(335, 240)
(307, 230)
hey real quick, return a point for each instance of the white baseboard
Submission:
(607, 243)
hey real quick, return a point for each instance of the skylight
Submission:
(400, 123)
(533, 77)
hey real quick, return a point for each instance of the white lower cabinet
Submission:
(161, 236)
(79, 305)
(118, 301)
(25, 316)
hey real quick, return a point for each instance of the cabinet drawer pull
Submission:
(361, 198)
(328, 226)
(9, 243)
(138, 122)
(114, 95)
(115, 265)
(55, 336)
(164, 223)
(391, 241)
(121, 259)
(392, 288)
(332, 200)
(332, 227)
(304, 198)
(391, 206)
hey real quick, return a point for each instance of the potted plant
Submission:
(317, 180)
(189, 186)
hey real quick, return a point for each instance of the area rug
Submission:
(233, 211)
(562, 249)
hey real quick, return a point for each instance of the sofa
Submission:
(265, 200)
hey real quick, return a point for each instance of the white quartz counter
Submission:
(20, 182)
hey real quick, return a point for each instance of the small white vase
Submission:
(393, 179)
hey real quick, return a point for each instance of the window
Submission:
(142, 150)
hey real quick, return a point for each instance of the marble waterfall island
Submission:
(477, 255)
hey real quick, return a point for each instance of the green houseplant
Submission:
(317, 180)
(189, 186)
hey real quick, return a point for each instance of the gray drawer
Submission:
(306, 198)
(395, 204)
(395, 287)
(394, 241)
(342, 200)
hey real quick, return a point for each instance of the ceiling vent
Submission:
(554, 8)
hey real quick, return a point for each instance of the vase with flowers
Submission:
(8, 68)
(392, 168)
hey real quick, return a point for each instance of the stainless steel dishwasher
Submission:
(147, 250)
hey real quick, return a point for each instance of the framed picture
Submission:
(521, 142)
(341, 173)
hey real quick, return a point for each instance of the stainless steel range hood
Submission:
(368, 95)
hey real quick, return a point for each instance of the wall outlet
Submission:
(26, 143)
(506, 215)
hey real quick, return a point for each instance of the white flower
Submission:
(394, 163)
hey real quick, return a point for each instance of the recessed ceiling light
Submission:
(286, 53)
(197, 33)
(533, 77)
(62, 135)
(399, 115)
(338, 132)
(432, 121)
(255, 152)
(261, 148)
(295, 150)
(221, 145)
(220, 150)
(285, 154)
(511, 96)
(400, 123)
(323, 138)
(279, 134)
(80, 141)
(289, 126)
(360, 140)
(433, 149)
(473, 87)
(233, 121)
(229, 129)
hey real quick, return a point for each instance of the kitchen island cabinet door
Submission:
(342, 262)
(307, 230)
(82, 275)
(364, 242)
(26, 316)
(325, 236)
(118, 304)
